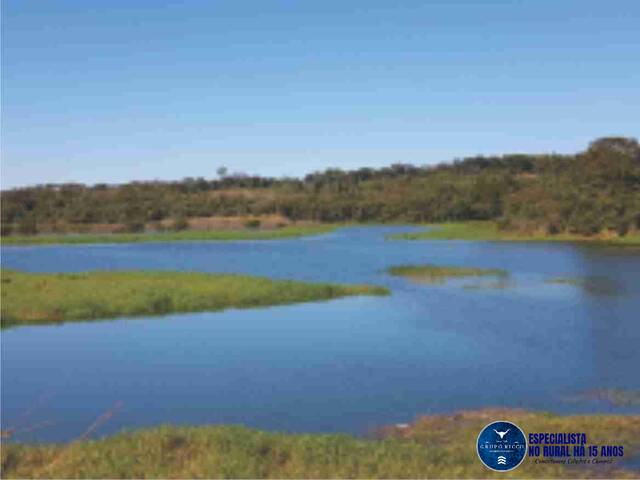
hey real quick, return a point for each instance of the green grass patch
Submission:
(489, 231)
(440, 274)
(36, 298)
(433, 447)
(182, 236)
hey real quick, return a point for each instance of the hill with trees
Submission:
(586, 193)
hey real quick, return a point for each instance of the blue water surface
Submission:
(347, 365)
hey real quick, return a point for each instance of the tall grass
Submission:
(37, 298)
(433, 447)
(181, 236)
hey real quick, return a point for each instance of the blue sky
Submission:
(112, 91)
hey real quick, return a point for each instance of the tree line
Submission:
(585, 193)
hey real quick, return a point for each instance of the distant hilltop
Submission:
(587, 193)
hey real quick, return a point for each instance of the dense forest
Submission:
(586, 193)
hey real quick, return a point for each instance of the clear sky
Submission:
(118, 90)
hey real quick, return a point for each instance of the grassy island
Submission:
(439, 274)
(440, 446)
(489, 231)
(180, 236)
(36, 298)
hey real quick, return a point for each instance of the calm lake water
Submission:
(347, 365)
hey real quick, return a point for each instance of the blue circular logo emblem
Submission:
(502, 446)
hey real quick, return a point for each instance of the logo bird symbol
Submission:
(502, 434)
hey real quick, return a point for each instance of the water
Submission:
(347, 365)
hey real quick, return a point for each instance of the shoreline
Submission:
(489, 232)
(432, 446)
(477, 230)
(168, 237)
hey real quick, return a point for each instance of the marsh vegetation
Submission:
(41, 298)
(440, 274)
(432, 447)
(250, 233)
(490, 231)
(355, 347)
